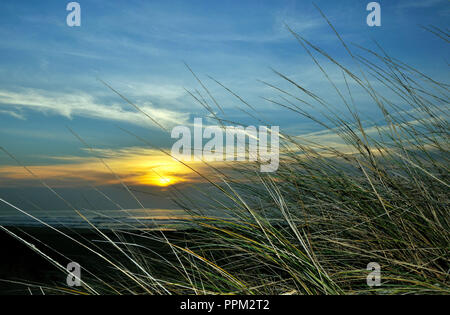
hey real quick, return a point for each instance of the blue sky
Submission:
(49, 71)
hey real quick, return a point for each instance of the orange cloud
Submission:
(133, 166)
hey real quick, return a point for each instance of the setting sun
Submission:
(165, 181)
(159, 180)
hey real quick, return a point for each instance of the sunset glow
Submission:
(162, 181)
(134, 166)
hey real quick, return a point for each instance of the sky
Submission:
(50, 77)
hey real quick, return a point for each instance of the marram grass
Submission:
(379, 193)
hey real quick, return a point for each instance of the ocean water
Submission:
(146, 219)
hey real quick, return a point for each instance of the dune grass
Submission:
(313, 226)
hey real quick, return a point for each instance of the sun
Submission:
(159, 180)
(164, 181)
(161, 172)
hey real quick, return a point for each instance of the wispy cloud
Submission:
(12, 114)
(84, 105)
